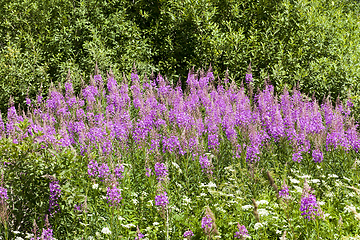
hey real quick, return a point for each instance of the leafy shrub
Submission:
(302, 41)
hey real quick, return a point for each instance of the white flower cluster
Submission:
(247, 207)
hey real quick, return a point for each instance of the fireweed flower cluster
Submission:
(113, 196)
(168, 120)
(118, 171)
(55, 193)
(47, 232)
(101, 171)
(161, 199)
(139, 234)
(242, 233)
(205, 164)
(206, 223)
(309, 207)
(284, 192)
(3, 194)
(161, 171)
(188, 234)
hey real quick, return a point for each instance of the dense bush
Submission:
(310, 42)
(142, 158)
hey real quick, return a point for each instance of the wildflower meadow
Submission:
(140, 158)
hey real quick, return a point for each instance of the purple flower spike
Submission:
(47, 234)
(119, 169)
(242, 233)
(188, 234)
(205, 164)
(317, 156)
(248, 78)
(161, 200)
(148, 172)
(55, 193)
(309, 206)
(206, 222)
(284, 192)
(139, 234)
(3, 194)
(161, 171)
(28, 101)
(113, 196)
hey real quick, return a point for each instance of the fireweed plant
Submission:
(143, 159)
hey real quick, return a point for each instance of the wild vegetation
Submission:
(142, 159)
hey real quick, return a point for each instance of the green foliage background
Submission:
(312, 42)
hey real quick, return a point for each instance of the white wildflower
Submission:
(298, 189)
(351, 194)
(90, 238)
(177, 166)
(95, 186)
(305, 176)
(29, 235)
(278, 232)
(135, 201)
(16, 232)
(106, 230)
(187, 200)
(202, 194)
(261, 202)
(338, 183)
(128, 225)
(258, 225)
(155, 223)
(349, 209)
(333, 176)
(294, 180)
(321, 203)
(246, 207)
(19, 238)
(315, 181)
(263, 212)
(220, 209)
(134, 194)
(97, 234)
(121, 218)
(211, 184)
(330, 194)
